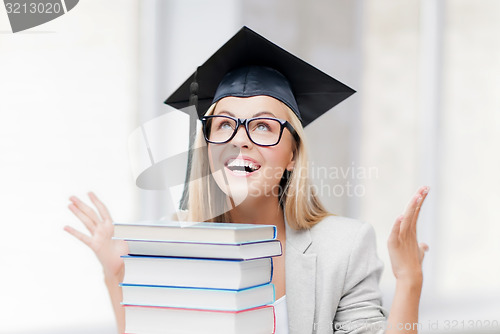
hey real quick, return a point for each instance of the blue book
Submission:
(221, 233)
(243, 251)
(196, 272)
(198, 298)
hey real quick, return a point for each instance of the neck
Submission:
(266, 212)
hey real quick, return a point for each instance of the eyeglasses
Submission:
(262, 131)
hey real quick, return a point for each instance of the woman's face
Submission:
(242, 169)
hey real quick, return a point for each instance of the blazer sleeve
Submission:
(360, 308)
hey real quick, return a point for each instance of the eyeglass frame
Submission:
(244, 122)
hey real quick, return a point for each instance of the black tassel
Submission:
(193, 101)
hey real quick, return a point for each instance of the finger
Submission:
(409, 212)
(393, 236)
(413, 208)
(423, 191)
(103, 211)
(85, 209)
(397, 223)
(89, 224)
(79, 235)
(422, 248)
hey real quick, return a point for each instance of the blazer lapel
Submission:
(300, 269)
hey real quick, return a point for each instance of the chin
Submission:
(246, 187)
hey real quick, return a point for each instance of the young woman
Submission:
(252, 168)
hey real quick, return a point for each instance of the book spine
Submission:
(272, 269)
(199, 310)
(274, 321)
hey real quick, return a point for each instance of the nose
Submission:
(241, 139)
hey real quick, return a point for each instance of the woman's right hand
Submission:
(101, 228)
(405, 252)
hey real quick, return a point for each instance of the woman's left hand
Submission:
(405, 252)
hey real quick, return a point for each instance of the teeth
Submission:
(242, 163)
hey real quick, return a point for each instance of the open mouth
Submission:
(242, 166)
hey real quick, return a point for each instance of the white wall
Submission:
(68, 96)
(452, 46)
(72, 90)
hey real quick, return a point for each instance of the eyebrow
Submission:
(260, 113)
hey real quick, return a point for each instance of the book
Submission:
(243, 251)
(198, 298)
(199, 273)
(155, 320)
(223, 233)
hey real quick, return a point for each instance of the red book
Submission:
(156, 320)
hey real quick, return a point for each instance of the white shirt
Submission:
(281, 315)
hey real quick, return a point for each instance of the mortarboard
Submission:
(244, 66)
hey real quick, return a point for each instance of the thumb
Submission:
(423, 248)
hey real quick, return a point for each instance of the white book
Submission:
(228, 233)
(244, 251)
(156, 320)
(198, 298)
(194, 272)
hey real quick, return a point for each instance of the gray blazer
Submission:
(332, 276)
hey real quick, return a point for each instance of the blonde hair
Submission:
(301, 205)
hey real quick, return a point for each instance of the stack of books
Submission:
(198, 277)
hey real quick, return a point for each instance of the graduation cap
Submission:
(250, 65)
(246, 65)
